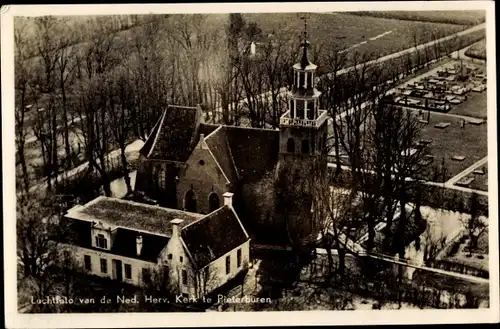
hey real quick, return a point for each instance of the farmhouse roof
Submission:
(124, 241)
(132, 215)
(214, 236)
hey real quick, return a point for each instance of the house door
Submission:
(117, 270)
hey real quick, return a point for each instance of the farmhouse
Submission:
(131, 242)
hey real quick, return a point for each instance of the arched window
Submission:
(305, 146)
(290, 145)
(213, 201)
(190, 201)
(161, 178)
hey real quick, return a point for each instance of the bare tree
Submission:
(23, 86)
(475, 224)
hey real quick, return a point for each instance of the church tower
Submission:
(302, 160)
(303, 128)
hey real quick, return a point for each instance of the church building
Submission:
(187, 164)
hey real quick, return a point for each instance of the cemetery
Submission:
(447, 90)
(477, 180)
(459, 142)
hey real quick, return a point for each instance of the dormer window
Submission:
(101, 241)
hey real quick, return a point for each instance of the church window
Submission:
(302, 78)
(161, 178)
(290, 145)
(190, 201)
(305, 146)
(300, 109)
(213, 201)
(310, 110)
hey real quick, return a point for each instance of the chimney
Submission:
(138, 243)
(175, 227)
(202, 140)
(228, 199)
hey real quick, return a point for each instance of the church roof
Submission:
(254, 151)
(175, 134)
(214, 236)
(218, 144)
(242, 153)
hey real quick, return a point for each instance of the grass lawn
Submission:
(474, 106)
(451, 141)
(477, 50)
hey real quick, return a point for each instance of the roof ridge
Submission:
(250, 128)
(145, 205)
(158, 132)
(204, 217)
(231, 156)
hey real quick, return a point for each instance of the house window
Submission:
(184, 277)
(228, 264)
(128, 271)
(302, 79)
(305, 146)
(238, 257)
(146, 275)
(169, 256)
(181, 259)
(101, 241)
(292, 109)
(88, 263)
(290, 145)
(104, 265)
(309, 80)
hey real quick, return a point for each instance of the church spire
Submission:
(304, 62)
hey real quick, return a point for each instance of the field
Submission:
(477, 50)
(471, 17)
(474, 106)
(365, 35)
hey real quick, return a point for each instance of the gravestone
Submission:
(442, 125)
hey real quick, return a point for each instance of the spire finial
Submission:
(305, 43)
